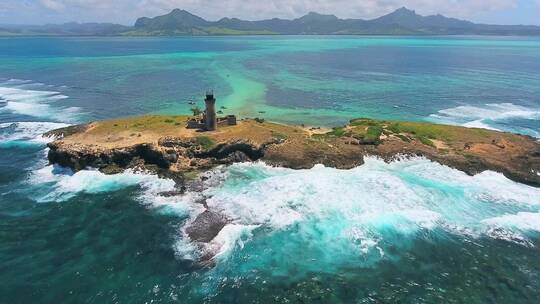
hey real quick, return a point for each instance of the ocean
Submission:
(410, 231)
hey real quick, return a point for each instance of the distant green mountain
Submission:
(400, 22)
(182, 23)
(66, 29)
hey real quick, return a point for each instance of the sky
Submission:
(127, 11)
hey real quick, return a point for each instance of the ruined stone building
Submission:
(209, 121)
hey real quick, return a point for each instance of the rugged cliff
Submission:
(164, 145)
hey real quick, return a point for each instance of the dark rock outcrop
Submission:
(102, 146)
(67, 131)
(206, 226)
(78, 158)
(223, 151)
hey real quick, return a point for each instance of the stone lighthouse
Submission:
(210, 113)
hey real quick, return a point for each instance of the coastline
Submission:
(163, 145)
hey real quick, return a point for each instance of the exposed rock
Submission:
(171, 193)
(225, 150)
(173, 156)
(66, 131)
(178, 177)
(78, 157)
(112, 169)
(469, 150)
(236, 157)
(206, 226)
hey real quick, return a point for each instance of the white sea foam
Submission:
(486, 116)
(341, 215)
(65, 184)
(15, 82)
(523, 221)
(17, 98)
(61, 184)
(185, 249)
(369, 203)
(57, 184)
(231, 236)
(28, 132)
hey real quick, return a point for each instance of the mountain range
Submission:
(182, 23)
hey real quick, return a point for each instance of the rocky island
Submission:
(164, 145)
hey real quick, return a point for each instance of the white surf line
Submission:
(479, 116)
(16, 98)
(28, 131)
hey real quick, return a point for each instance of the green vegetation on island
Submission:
(182, 23)
(166, 142)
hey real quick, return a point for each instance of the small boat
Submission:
(262, 112)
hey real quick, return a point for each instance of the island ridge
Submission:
(165, 144)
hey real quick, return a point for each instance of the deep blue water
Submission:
(410, 231)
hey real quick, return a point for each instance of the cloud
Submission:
(55, 5)
(256, 9)
(126, 11)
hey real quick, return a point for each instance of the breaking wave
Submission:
(324, 218)
(24, 97)
(66, 183)
(363, 215)
(57, 184)
(522, 221)
(21, 134)
(489, 116)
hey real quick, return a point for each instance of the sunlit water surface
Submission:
(410, 231)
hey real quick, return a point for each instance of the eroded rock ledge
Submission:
(161, 144)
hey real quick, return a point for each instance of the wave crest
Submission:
(489, 116)
(29, 99)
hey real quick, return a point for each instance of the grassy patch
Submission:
(337, 132)
(206, 142)
(426, 141)
(279, 135)
(374, 131)
(403, 138)
(394, 127)
(372, 135)
(424, 130)
(364, 122)
(318, 137)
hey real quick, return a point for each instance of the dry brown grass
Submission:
(343, 147)
(118, 133)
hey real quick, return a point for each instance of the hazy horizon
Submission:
(39, 12)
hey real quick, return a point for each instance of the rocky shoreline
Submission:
(515, 156)
(164, 147)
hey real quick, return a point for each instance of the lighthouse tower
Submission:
(211, 119)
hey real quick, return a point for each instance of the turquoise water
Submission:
(411, 231)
